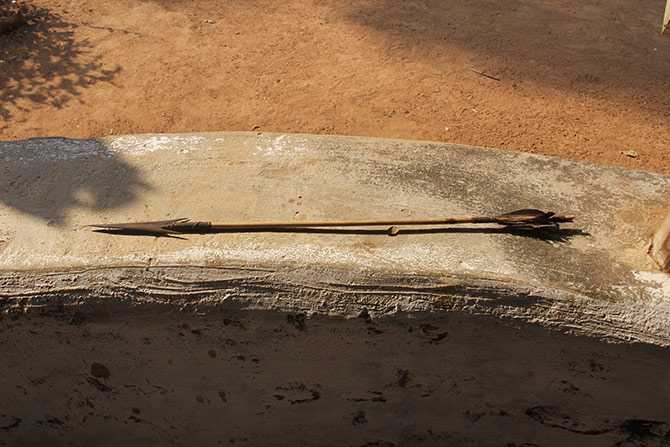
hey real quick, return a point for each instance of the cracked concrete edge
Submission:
(334, 293)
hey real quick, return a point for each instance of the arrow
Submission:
(525, 219)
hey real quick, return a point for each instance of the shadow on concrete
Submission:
(47, 177)
(598, 46)
(42, 63)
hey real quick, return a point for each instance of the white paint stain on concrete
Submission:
(137, 145)
(281, 146)
(65, 149)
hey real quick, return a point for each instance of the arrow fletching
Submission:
(532, 219)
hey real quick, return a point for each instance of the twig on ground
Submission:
(481, 73)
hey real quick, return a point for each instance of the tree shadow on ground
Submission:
(43, 63)
(599, 46)
(48, 177)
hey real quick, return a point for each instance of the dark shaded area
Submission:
(642, 430)
(555, 418)
(46, 177)
(41, 62)
(595, 46)
(491, 383)
(10, 23)
(634, 431)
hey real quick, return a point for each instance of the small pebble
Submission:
(99, 370)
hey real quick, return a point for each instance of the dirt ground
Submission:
(586, 80)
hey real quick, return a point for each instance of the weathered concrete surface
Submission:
(601, 283)
(261, 378)
(476, 335)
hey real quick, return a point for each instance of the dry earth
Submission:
(582, 80)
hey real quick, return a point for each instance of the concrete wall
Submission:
(468, 335)
(275, 378)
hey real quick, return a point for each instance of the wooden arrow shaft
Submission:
(343, 223)
(529, 218)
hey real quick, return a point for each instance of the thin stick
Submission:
(351, 223)
(481, 73)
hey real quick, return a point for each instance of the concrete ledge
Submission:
(459, 336)
(599, 282)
